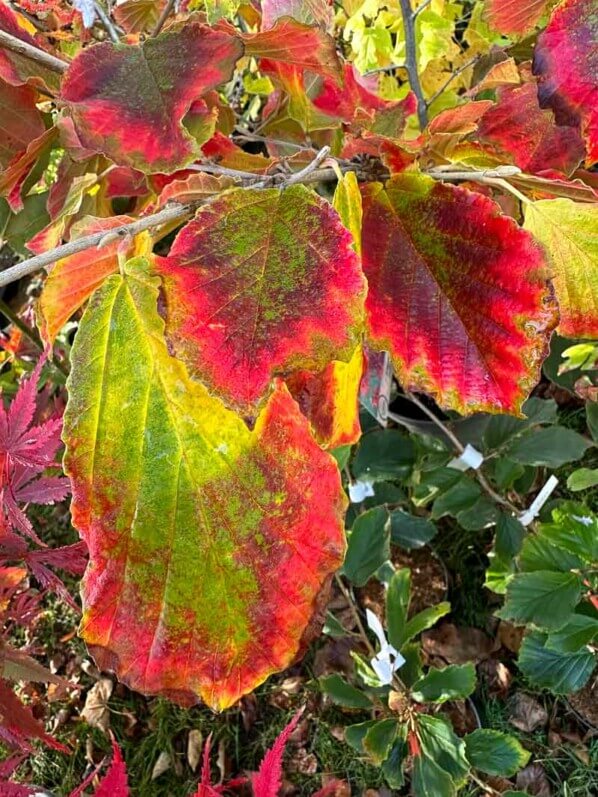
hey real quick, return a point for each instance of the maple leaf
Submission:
(527, 136)
(514, 16)
(167, 482)
(568, 231)
(73, 279)
(26, 451)
(129, 101)
(19, 726)
(458, 293)
(261, 283)
(566, 63)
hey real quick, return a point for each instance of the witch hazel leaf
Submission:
(267, 781)
(566, 63)
(261, 283)
(569, 231)
(129, 101)
(310, 12)
(291, 42)
(73, 279)
(220, 539)
(527, 136)
(514, 17)
(458, 294)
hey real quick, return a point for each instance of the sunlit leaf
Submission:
(129, 101)
(17, 69)
(566, 62)
(20, 121)
(514, 16)
(457, 293)
(310, 12)
(261, 283)
(217, 539)
(569, 231)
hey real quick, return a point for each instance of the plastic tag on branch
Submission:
(388, 660)
(470, 458)
(376, 384)
(525, 518)
(359, 491)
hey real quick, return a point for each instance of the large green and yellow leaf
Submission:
(210, 545)
(569, 231)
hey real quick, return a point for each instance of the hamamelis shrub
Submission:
(240, 204)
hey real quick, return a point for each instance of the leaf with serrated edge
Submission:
(569, 231)
(458, 293)
(215, 539)
(261, 283)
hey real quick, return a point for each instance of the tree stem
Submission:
(34, 53)
(411, 62)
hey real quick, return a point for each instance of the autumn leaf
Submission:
(310, 12)
(17, 69)
(291, 42)
(73, 279)
(20, 120)
(129, 102)
(219, 540)
(458, 294)
(566, 63)
(525, 135)
(138, 16)
(514, 17)
(568, 230)
(16, 176)
(261, 283)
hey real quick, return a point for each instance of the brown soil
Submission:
(585, 702)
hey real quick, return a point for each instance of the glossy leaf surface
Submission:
(217, 539)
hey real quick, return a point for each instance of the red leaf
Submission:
(129, 101)
(114, 783)
(291, 42)
(261, 283)
(20, 121)
(458, 293)
(528, 136)
(18, 170)
(514, 16)
(268, 780)
(18, 725)
(17, 69)
(566, 63)
(461, 119)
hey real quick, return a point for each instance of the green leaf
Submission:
(543, 598)
(461, 496)
(379, 739)
(575, 529)
(538, 553)
(412, 670)
(430, 780)
(355, 734)
(342, 455)
(499, 573)
(575, 634)
(450, 683)
(551, 447)
(334, 628)
(562, 673)
(502, 428)
(509, 536)
(592, 419)
(442, 745)
(392, 768)
(424, 619)
(482, 514)
(434, 484)
(397, 606)
(384, 454)
(410, 531)
(495, 753)
(343, 693)
(368, 545)
(582, 479)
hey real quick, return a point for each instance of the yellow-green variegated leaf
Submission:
(210, 544)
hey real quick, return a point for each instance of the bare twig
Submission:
(301, 176)
(453, 76)
(420, 8)
(240, 132)
(34, 53)
(411, 62)
(389, 68)
(106, 22)
(482, 480)
(170, 213)
(167, 11)
(449, 173)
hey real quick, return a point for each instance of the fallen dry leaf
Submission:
(162, 765)
(194, 748)
(457, 645)
(533, 779)
(497, 676)
(95, 711)
(526, 713)
(510, 636)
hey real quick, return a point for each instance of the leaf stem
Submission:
(163, 17)
(106, 22)
(34, 53)
(411, 62)
(358, 623)
(453, 76)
